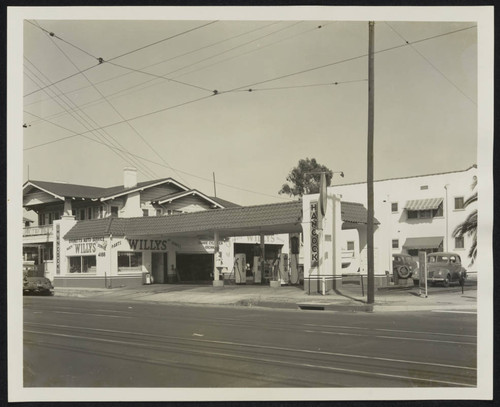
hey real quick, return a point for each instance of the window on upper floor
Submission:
(426, 213)
(395, 243)
(114, 211)
(394, 207)
(423, 187)
(459, 202)
(459, 242)
(145, 212)
(350, 245)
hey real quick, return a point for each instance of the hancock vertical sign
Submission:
(58, 250)
(314, 235)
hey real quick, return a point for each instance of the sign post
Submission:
(422, 281)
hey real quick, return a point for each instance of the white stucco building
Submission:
(418, 213)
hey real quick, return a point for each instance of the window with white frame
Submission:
(82, 264)
(394, 207)
(129, 261)
(459, 242)
(350, 245)
(395, 243)
(145, 212)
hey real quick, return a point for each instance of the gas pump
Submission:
(294, 260)
(283, 269)
(256, 270)
(240, 274)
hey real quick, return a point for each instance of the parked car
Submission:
(404, 265)
(445, 268)
(37, 285)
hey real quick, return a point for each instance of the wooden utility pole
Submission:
(370, 260)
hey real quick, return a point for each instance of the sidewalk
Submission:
(348, 298)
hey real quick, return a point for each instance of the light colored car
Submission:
(445, 268)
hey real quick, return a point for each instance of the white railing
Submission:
(38, 230)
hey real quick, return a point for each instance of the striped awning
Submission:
(423, 204)
(433, 242)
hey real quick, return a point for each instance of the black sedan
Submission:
(37, 286)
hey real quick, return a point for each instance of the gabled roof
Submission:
(115, 192)
(236, 221)
(63, 190)
(172, 197)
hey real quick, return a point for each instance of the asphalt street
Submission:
(73, 342)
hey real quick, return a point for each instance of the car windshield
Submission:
(438, 259)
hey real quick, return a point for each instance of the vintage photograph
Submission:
(270, 200)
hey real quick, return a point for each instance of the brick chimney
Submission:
(129, 177)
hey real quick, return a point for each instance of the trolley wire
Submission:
(431, 64)
(160, 76)
(100, 60)
(116, 111)
(265, 81)
(152, 161)
(230, 49)
(347, 60)
(302, 86)
(86, 120)
(260, 48)
(85, 123)
(159, 63)
(162, 40)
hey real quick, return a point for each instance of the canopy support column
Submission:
(217, 262)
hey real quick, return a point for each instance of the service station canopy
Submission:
(239, 221)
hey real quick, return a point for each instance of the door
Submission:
(159, 265)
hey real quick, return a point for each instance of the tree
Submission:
(469, 225)
(305, 178)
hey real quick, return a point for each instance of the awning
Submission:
(433, 242)
(423, 204)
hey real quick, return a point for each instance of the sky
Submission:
(244, 100)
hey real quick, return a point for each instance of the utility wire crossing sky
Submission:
(246, 100)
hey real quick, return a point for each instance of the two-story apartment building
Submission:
(419, 213)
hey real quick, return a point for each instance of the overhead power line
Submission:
(257, 83)
(162, 40)
(431, 64)
(228, 50)
(258, 49)
(303, 86)
(101, 60)
(80, 118)
(161, 62)
(86, 120)
(123, 121)
(115, 109)
(345, 60)
(155, 162)
(160, 77)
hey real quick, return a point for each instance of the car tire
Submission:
(403, 272)
(446, 281)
